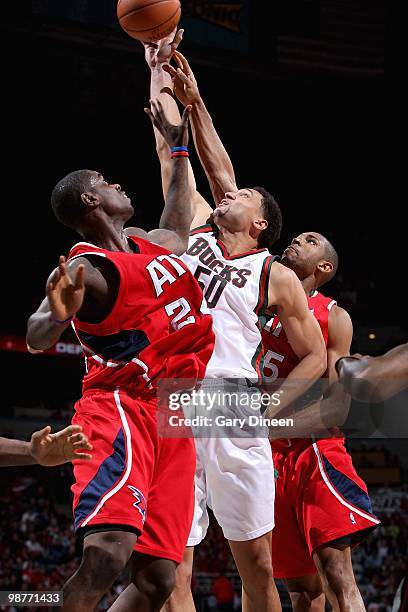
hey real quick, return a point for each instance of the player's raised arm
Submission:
(211, 151)
(177, 214)
(287, 297)
(161, 87)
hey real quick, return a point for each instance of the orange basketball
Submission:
(148, 20)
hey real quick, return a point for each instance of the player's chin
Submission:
(288, 258)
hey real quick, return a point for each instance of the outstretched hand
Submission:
(162, 51)
(184, 81)
(65, 295)
(174, 135)
(51, 449)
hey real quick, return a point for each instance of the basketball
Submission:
(148, 20)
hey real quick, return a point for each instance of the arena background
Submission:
(297, 94)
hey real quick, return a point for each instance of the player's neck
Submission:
(236, 243)
(107, 236)
(309, 285)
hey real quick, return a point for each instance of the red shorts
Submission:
(136, 480)
(319, 498)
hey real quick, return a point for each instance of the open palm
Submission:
(65, 295)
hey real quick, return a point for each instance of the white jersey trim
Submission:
(336, 494)
(128, 462)
(86, 253)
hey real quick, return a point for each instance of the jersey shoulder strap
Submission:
(262, 304)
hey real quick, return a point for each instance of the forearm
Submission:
(394, 364)
(15, 452)
(42, 332)
(211, 151)
(318, 418)
(177, 214)
(300, 379)
(375, 379)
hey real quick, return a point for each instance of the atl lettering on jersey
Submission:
(156, 327)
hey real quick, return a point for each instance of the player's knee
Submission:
(260, 569)
(307, 600)
(300, 601)
(184, 576)
(339, 575)
(158, 588)
(101, 567)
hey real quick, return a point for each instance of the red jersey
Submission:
(280, 358)
(156, 328)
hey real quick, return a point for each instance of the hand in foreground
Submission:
(162, 51)
(65, 295)
(51, 449)
(174, 135)
(184, 81)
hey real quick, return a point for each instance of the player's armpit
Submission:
(95, 281)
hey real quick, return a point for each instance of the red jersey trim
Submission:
(261, 306)
(201, 229)
(264, 285)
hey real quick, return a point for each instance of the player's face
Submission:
(304, 253)
(239, 209)
(113, 199)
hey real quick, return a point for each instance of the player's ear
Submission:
(260, 224)
(325, 266)
(90, 199)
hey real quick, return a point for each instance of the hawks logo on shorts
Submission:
(140, 503)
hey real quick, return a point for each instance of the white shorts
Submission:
(235, 478)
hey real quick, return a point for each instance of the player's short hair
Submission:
(273, 216)
(66, 197)
(330, 255)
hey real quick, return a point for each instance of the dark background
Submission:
(300, 112)
(298, 98)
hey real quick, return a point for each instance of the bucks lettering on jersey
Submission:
(236, 291)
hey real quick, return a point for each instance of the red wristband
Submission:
(179, 154)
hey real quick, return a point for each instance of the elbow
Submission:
(33, 343)
(182, 245)
(29, 332)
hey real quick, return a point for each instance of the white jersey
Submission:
(236, 291)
